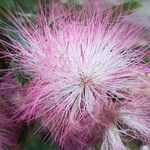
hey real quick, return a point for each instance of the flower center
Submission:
(85, 80)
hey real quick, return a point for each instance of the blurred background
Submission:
(140, 14)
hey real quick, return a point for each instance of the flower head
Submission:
(85, 65)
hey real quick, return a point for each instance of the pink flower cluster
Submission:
(88, 76)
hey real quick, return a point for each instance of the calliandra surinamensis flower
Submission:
(86, 67)
(12, 93)
(10, 99)
(8, 129)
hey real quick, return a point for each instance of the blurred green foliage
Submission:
(7, 4)
(20, 76)
(11, 4)
(35, 143)
(30, 140)
(130, 5)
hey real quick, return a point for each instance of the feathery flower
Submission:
(10, 99)
(8, 129)
(85, 65)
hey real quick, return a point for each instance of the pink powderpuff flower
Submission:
(85, 65)
(12, 93)
(82, 132)
(132, 122)
(144, 85)
(10, 88)
(8, 128)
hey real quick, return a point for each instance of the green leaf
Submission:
(35, 141)
(128, 6)
(21, 76)
(28, 5)
(7, 4)
(131, 5)
(132, 145)
(147, 59)
(77, 2)
(23, 134)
